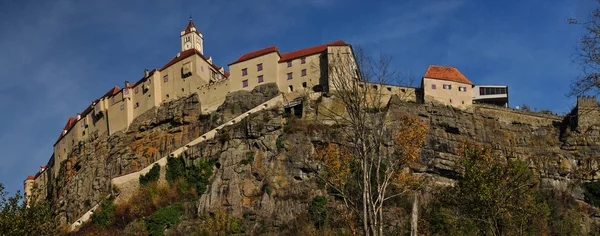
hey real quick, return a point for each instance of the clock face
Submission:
(187, 45)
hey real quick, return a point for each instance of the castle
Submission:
(190, 71)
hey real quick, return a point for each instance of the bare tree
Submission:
(587, 56)
(371, 157)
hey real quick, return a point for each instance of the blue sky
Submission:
(58, 56)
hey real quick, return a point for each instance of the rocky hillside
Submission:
(263, 172)
(84, 179)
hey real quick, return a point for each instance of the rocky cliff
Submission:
(84, 178)
(263, 171)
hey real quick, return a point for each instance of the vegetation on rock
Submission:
(151, 176)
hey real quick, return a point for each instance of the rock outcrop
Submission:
(263, 169)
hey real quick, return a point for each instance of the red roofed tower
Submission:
(191, 38)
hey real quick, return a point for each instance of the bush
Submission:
(136, 227)
(318, 211)
(164, 217)
(249, 158)
(592, 193)
(267, 189)
(196, 176)
(222, 223)
(151, 176)
(175, 169)
(105, 216)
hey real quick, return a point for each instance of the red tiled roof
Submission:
(255, 54)
(67, 127)
(112, 91)
(310, 51)
(30, 177)
(446, 73)
(185, 54)
(70, 123)
(189, 27)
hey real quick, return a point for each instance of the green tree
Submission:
(17, 218)
(492, 198)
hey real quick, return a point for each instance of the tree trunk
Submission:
(415, 215)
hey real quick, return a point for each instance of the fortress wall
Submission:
(213, 95)
(508, 115)
(117, 114)
(588, 112)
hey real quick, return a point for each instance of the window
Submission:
(260, 78)
(245, 83)
(433, 86)
(98, 106)
(462, 89)
(202, 68)
(303, 72)
(112, 100)
(303, 60)
(137, 104)
(244, 71)
(125, 91)
(449, 86)
(304, 85)
(166, 78)
(389, 88)
(82, 123)
(291, 88)
(259, 67)
(289, 75)
(122, 107)
(137, 89)
(289, 63)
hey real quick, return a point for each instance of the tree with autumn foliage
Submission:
(369, 163)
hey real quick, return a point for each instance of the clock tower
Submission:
(191, 38)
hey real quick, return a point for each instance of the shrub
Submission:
(222, 224)
(318, 211)
(249, 158)
(196, 176)
(592, 193)
(267, 189)
(175, 169)
(151, 176)
(164, 217)
(105, 216)
(136, 227)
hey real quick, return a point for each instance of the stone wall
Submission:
(588, 112)
(512, 116)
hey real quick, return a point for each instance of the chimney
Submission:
(78, 116)
(42, 168)
(146, 73)
(126, 84)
